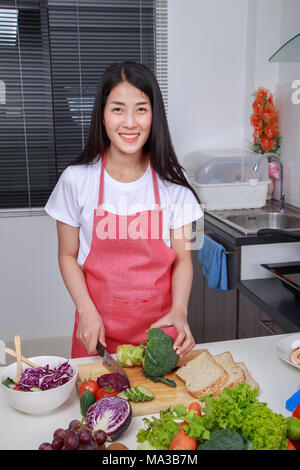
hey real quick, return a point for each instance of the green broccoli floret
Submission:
(156, 355)
(160, 357)
(225, 439)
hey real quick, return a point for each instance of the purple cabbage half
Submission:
(117, 381)
(46, 378)
(110, 414)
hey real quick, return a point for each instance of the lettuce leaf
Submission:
(240, 410)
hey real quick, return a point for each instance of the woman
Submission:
(123, 234)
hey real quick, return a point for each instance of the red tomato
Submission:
(296, 412)
(296, 444)
(90, 385)
(105, 392)
(290, 446)
(183, 442)
(196, 407)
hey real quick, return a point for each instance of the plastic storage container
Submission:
(224, 179)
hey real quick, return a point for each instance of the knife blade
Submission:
(109, 362)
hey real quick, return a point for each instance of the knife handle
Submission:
(100, 349)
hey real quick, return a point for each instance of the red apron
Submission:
(128, 273)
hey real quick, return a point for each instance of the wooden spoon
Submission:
(11, 352)
(18, 356)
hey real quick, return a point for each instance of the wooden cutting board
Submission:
(164, 395)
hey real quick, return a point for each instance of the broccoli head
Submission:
(156, 354)
(159, 355)
(225, 439)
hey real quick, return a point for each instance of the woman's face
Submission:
(127, 119)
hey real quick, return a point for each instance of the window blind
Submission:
(27, 166)
(52, 53)
(161, 47)
(85, 37)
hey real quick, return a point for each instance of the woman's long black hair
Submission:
(159, 145)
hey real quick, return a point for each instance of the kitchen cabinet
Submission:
(254, 322)
(216, 315)
(196, 301)
(250, 308)
(212, 313)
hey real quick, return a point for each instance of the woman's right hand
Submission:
(90, 329)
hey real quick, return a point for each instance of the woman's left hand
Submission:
(178, 318)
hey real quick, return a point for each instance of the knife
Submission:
(109, 362)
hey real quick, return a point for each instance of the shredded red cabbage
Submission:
(45, 378)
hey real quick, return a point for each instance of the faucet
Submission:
(282, 194)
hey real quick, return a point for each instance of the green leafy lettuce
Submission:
(239, 409)
(159, 432)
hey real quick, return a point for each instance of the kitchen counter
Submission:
(278, 380)
(273, 298)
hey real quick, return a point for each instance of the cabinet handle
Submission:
(267, 325)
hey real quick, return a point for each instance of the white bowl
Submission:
(38, 403)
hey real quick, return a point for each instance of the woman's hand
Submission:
(178, 318)
(90, 329)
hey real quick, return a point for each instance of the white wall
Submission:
(34, 300)
(289, 113)
(218, 54)
(206, 73)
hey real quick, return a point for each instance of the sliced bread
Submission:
(235, 372)
(249, 379)
(202, 375)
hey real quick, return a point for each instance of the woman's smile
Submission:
(131, 138)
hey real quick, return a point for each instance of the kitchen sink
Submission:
(253, 221)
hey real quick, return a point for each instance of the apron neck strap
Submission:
(101, 186)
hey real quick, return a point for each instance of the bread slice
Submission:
(202, 375)
(249, 379)
(235, 372)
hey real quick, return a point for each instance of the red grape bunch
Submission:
(76, 437)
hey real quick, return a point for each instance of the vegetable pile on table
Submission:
(105, 416)
(155, 354)
(234, 420)
(102, 408)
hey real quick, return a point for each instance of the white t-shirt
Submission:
(76, 194)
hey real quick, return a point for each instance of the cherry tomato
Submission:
(196, 407)
(90, 385)
(290, 446)
(296, 412)
(296, 444)
(105, 392)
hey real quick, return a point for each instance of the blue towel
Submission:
(214, 263)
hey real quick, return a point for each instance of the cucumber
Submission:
(139, 393)
(86, 400)
(123, 395)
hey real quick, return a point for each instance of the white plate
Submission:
(285, 347)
